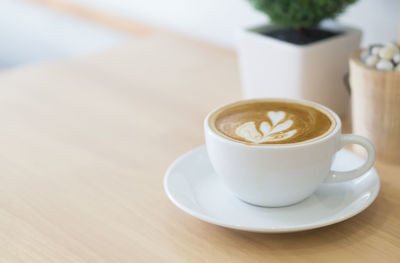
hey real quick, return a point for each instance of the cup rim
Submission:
(275, 146)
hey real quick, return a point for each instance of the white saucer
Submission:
(192, 185)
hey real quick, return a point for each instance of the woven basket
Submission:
(375, 99)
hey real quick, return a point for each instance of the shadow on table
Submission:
(340, 235)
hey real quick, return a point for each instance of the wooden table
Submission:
(84, 147)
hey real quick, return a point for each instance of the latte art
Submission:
(271, 121)
(276, 129)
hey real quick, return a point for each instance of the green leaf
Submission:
(300, 13)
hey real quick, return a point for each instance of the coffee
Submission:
(270, 121)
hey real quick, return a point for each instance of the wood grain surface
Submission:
(84, 148)
(97, 16)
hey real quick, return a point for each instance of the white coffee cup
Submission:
(279, 175)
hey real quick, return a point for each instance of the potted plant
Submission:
(296, 55)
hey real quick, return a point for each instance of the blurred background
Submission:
(33, 31)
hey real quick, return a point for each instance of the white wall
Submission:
(31, 33)
(217, 20)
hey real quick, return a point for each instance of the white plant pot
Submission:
(273, 68)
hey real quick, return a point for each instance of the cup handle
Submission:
(339, 176)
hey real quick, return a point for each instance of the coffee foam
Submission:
(277, 129)
(271, 122)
